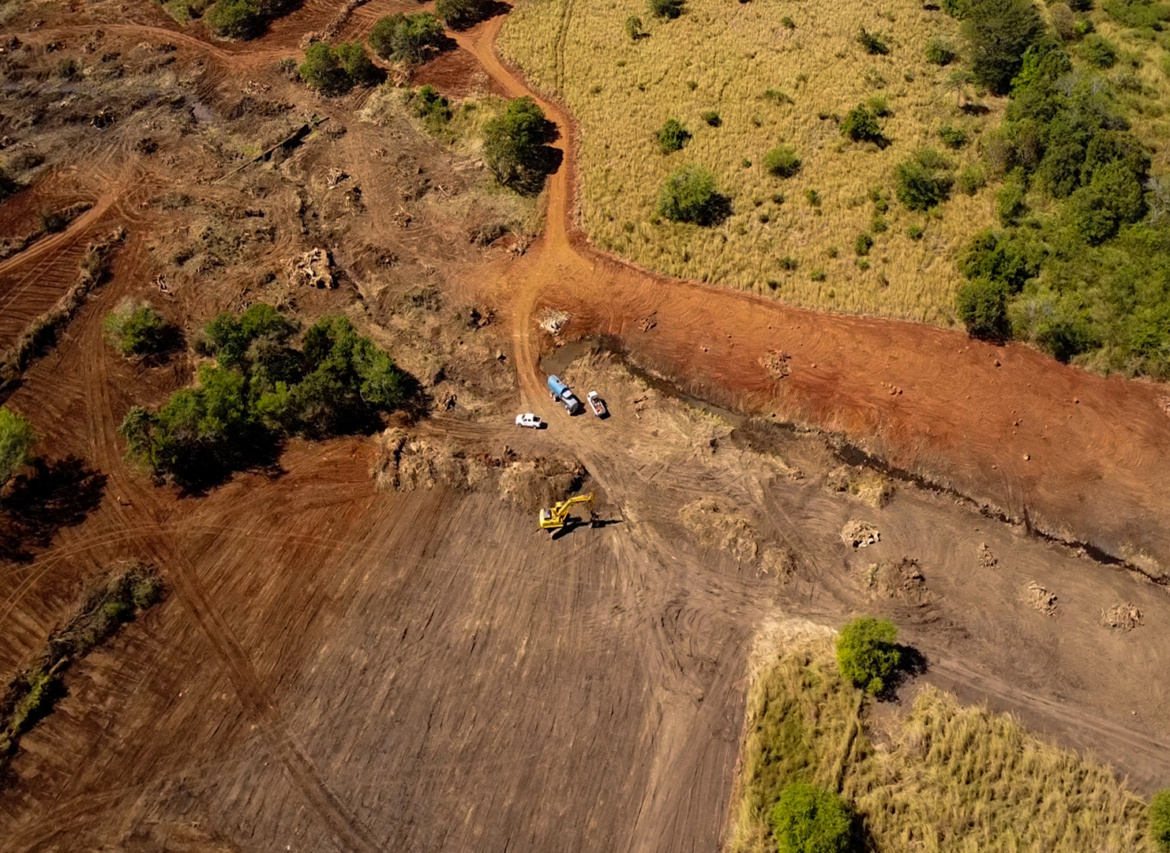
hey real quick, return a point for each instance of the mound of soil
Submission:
(859, 534)
(717, 525)
(901, 581)
(775, 363)
(1122, 616)
(1038, 598)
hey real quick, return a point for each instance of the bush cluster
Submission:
(861, 125)
(1160, 820)
(243, 19)
(672, 136)
(924, 180)
(997, 34)
(516, 146)
(808, 819)
(136, 329)
(16, 439)
(690, 194)
(782, 161)
(460, 14)
(406, 38)
(261, 389)
(336, 70)
(867, 653)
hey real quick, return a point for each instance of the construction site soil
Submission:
(370, 645)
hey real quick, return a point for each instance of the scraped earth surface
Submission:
(345, 667)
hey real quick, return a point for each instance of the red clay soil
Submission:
(1080, 456)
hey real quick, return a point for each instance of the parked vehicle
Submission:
(529, 421)
(560, 391)
(597, 404)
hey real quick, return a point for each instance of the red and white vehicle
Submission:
(597, 404)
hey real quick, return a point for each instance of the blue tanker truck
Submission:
(560, 391)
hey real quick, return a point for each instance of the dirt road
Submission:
(341, 669)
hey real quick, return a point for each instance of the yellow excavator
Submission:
(555, 518)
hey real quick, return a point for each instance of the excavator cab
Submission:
(556, 518)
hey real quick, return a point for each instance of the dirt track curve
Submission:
(352, 671)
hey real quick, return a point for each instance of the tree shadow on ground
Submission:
(486, 11)
(913, 664)
(57, 494)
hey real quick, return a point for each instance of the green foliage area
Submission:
(672, 136)
(940, 52)
(1099, 51)
(1160, 820)
(861, 125)
(867, 653)
(981, 306)
(666, 8)
(997, 34)
(924, 181)
(872, 43)
(336, 70)
(135, 329)
(460, 14)
(957, 8)
(515, 146)
(690, 194)
(431, 107)
(1009, 201)
(406, 38)
(16, 439)
(863, 244)
(953, 137)
(1139, 14)
(808, 819)
(782, 161)
(235, 19)
(262, 389)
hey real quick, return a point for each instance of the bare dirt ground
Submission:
(343, 668)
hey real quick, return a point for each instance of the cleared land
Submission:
(342, 668)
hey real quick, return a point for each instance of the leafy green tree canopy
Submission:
(867, 653)
(808, 819)
(997, 34)
(690, 194)
(336, 70)
(1160, 820)
(460, 14)
(235, 19)
(16, 439)
(516, 145)
(673, 136)
(406, 38)
(861, 125)
(782, 161)
(135, 329)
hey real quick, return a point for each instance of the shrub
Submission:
(782, 161)
(812, 197)
(673, 136)
(136, 329)
(867, 653)
(971, 180)
(236, 19)
(355, 63)
(957, 8)
(923, 181)
(516, 148)
(634, 27)
(1160, 820)
(1009, 201)
(997, 258)
(460, 14)
(690, 194)
(873, 43)
(861, 125)
(863, 244)
(952, 137)
(998, 33)
(406, 38)
(940, 52)
(915, 232)
(666, 8)
(16, 439)
(982, 306)
(712, 118)
(1099, 51)
(807, 819)
(322, 71)
(431, 107)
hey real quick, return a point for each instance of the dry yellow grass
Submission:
(951, 779)
(726, 57)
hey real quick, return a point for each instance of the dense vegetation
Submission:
(105, 606)
(1160, 820)
(244, 19)
(336, 70)
(808, 819)
(406, 38)
(690, 195)
(136, 329)
(261, 389)
(16, 439)
(516, 146)
(460, 14)
(946, 777)
(868, 654)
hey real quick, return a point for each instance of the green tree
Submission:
(939, 52)
(322, 71)
(861, 125)
(515, 145)
(1160, 820)
(235, 19)
(229, 338)
(460, 14)
(666, 8)
(672, 136)
(998, 33)
(782, 161)
(808, 819)
(867, 653)
(135, 329)
(406, 38)
(355, 62)
(690, 194)
(924, 181)
(982, 307)
(16, 439)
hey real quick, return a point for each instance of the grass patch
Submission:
(951, 778)
(725, 59)
(104, 606)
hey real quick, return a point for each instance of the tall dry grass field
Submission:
(770, 84)
(950, 778)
